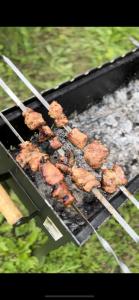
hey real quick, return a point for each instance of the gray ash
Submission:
(115, 121)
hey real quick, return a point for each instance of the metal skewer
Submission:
(102, 241)
(129, 195)
(99, 196)
(105, 244)
(116, 215)
(18, 102)
(134, 41)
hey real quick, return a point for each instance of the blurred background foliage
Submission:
(49, 56)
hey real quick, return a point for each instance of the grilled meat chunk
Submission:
(25, 153)
(30, 155)
(35, 160)
(120, 176)
(84, 179)
(112, 178)
(62, 193)
(95, 154)
(77, 138)
(63, 168)
(55, 143)
(67, 159)
(56, 112)
(51, 174)
(62, 121)
(33, 119)
(109, 181)
(45, 133)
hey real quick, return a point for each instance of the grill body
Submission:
(77, 94)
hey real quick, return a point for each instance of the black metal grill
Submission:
(77, 94)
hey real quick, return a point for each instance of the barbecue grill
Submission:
(75, 95)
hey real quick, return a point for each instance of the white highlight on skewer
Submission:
(129, 196)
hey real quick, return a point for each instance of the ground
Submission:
(49, 56)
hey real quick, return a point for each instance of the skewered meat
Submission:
(77, 138)
(55, 143)
(56, 112)
(62, 121)
(95, 154)
(33, 119)
(45, 133)
(62, 193)
(51, 174)
(25, 153)
(67, 159)
(112, 178)
(63, 168)
(30, 154)
(35, 160)
(120, 176)
(84, 179)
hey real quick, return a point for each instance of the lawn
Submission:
(49, 56)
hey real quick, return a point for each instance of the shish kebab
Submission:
(93, 182)
(73, 134)
(102, 241)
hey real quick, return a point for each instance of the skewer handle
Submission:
(116, 215)
(7, 207)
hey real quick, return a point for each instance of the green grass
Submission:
(49, 56)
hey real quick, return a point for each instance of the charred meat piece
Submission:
(51, 174)
(62, 193)
(112, 178)
(120, 176)
(67, 159)
(33, 119)
(84, 179)
(56, 112)
(95, 154)
(45, 133)
(35, 160)
(62, 121)
(30, 155)
(63, 168)
(25, 153)
(77, 138)
(55, 143)
(109, 181)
